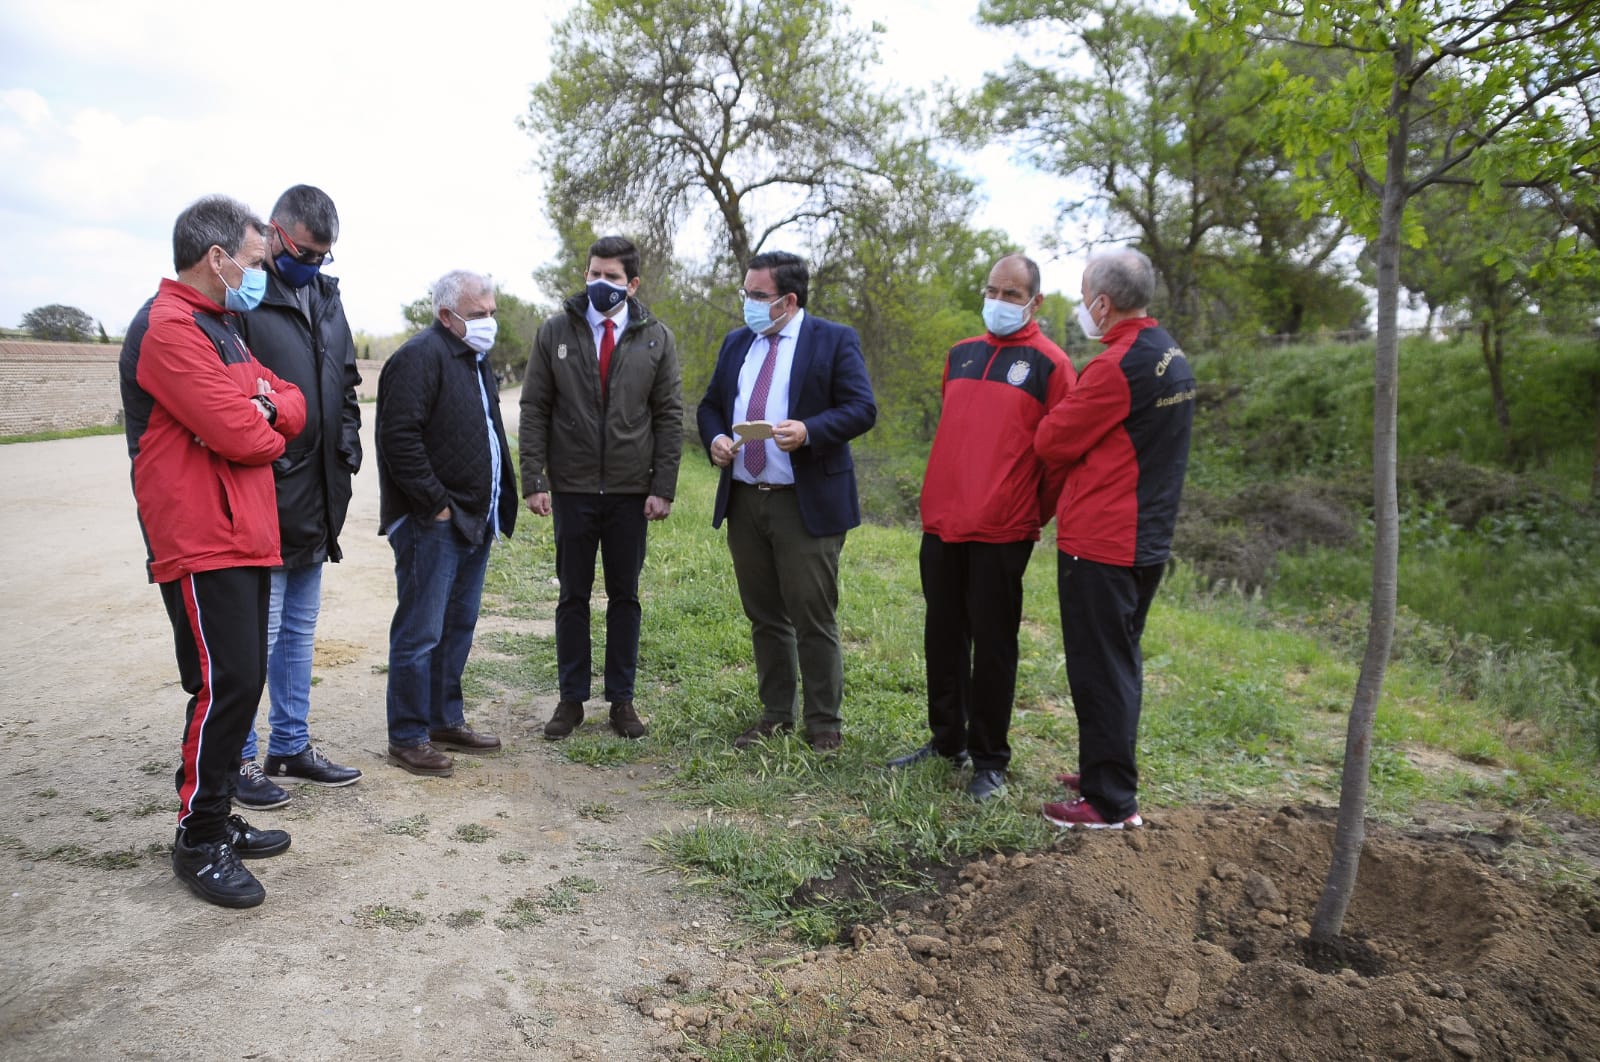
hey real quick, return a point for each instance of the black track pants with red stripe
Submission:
(219, 626)
(1103, 609)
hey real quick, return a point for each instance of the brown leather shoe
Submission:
(422, 759)
(826, 741)
(567, 717)
(464, 739)
(625, 721)
(760, 732)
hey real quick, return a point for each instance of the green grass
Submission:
(64, 433)
(1246, 700)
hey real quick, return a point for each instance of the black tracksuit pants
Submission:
(219, 627)
(1103, 609)
(973, 592)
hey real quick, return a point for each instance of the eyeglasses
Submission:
(759, 296)
(310, 258)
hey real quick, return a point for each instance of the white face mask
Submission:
(1003, 318)
(1086, 321)
(480, 332)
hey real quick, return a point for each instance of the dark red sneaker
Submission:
(1074, 814)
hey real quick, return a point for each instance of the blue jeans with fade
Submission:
(291, 640)
(439, 583)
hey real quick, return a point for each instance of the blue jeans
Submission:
(439, 583)
(291, 637)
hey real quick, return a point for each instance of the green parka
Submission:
(571, 439)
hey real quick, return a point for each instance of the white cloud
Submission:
(115, 115)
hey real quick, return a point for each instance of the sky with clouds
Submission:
(116, 114)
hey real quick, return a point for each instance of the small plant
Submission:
(511, 855)
(473, 833)
(99, 814)
(463, 919)
(148, 807)
(154, 767)
(48, 794)
(598, 811)
(384, 916)
(415, 826)
(519, 914)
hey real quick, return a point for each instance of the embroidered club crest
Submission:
(1017, 375)
(561, 350)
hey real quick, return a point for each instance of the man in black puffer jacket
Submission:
(299, 332)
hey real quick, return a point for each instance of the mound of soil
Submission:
(1188, 940)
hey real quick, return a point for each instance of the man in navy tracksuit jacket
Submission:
(1123, 437)
(984, 499)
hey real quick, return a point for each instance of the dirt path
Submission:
(504, 912)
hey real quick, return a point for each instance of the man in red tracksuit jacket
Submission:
(204, 422)
(984, 498)
(1122, 437)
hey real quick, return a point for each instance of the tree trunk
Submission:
(1594, 473)
(1493, 344)
(1349, 836)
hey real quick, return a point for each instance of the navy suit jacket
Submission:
(829, 390)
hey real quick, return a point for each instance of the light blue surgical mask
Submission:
(1003, 318)
(247, 296)
(758, 315)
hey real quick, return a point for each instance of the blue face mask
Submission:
(1003, 318)
(758, 315)
(294, 272)
(605, 296)
(247, 296)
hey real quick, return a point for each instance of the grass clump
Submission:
(414, 826)
(386, 916)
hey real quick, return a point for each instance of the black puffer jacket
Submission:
(433, 444)
(317, 354)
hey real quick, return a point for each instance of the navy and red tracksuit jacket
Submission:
(984, 481)
(1122, 436)
(202, 452)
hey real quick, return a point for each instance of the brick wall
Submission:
(57, 386)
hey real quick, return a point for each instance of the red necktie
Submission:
(755, 452)
(608, 343)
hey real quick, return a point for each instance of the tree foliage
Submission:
(1500, 78)
(63, 324)
(658, 108)
(1157, 128)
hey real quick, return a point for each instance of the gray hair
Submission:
(215, 221)
(449, 289)
(309, 206)
(1124, 276)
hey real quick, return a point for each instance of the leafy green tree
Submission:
(66, 324)
(1157, 126)
(659, 110)
(1503, 72)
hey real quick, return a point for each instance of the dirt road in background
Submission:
(508, 911)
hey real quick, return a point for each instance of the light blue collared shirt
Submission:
(494, 450)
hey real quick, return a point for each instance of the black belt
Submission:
(766, 486)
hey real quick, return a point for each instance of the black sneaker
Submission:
(986, 785)
(255, 791)
(251, 843)
(928, 752)
(310, 765)
(214, 873)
